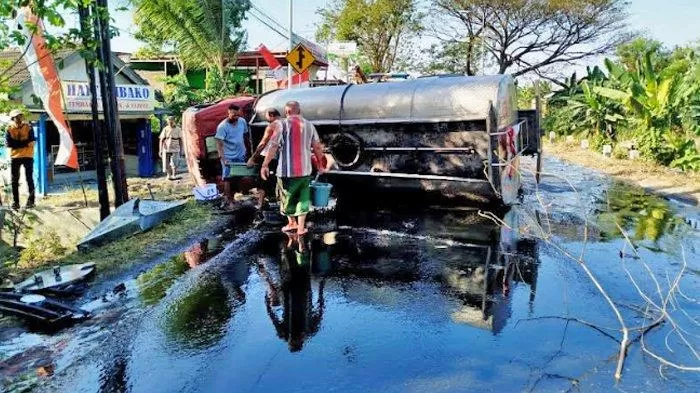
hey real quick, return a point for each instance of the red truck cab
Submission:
(198, 129)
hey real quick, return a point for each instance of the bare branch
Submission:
(527, 36)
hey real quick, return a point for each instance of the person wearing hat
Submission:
(170, 147)
(20, 140)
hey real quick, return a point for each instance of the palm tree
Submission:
(203, 33)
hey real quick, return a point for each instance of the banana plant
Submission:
(597, 113)
(649, 95)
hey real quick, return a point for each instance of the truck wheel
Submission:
(346, 150)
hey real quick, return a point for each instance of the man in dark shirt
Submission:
(20, 139)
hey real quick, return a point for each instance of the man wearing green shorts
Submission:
(294, 141)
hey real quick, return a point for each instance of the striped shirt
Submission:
(276, 126)
(295, 140)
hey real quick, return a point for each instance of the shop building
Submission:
(135, 99)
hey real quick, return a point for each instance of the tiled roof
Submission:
(18, 73)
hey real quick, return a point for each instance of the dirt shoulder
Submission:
(671, 184)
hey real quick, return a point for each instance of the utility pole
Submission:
(103, 195)
(109, 104)
(291, 43)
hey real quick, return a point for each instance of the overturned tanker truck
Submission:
(456, 137)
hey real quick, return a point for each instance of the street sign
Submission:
(342, 48)
(319, 53)
(300, 58)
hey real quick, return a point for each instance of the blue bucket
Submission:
(320, 193)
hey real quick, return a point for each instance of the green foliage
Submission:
(155, 124)
(454, 57)
(632, 52)
(41, 249)
(179, 95)
(56, 34)
(579, 108)
(220, 86)
(656, 101)
(379, 27)
(527, 94)
(203, 34)
(620, 152)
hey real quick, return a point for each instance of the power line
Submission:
(265, 14)
(270, 22)
(267, 23)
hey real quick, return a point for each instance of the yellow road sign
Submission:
(300, 58)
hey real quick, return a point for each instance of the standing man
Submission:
(274, 120)
(20, 140)
(294, 142)
(170, 147)
(231, 142)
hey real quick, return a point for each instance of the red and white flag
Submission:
(47, 85)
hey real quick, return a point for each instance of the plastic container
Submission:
(240, 169)
(320, 193)
(207, 192)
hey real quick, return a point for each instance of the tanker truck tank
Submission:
(453, 137)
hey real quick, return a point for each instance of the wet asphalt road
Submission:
(391, 300)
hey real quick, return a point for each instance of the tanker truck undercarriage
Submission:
(456, 138)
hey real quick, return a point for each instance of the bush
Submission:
(41, 249)
(561, 121)
(653, 98)
(597, 141)
(620, 152)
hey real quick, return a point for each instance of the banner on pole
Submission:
(46, 84)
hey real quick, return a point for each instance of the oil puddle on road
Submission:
(393, 300)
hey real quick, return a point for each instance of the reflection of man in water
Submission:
(300, 319)
(195, 254)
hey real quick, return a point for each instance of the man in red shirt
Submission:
(295, 141)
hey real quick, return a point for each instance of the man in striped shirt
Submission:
(294, 142)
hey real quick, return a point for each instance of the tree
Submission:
(533, 36)
(203, 34)
(380, 27)
(632, 52)
(453, 57)
(50, 12)
(527, 93)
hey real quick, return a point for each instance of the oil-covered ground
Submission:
(395, 299)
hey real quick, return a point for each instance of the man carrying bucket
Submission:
(232, 145)
(294, 142)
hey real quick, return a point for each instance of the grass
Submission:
(159, 188)
(194, 218)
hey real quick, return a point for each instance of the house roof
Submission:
(19, 74)
(242, 59)
(253, 58)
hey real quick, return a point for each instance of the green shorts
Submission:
(295, 195)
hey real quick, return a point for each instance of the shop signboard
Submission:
(130, 98)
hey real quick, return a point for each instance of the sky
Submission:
(673, 22)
